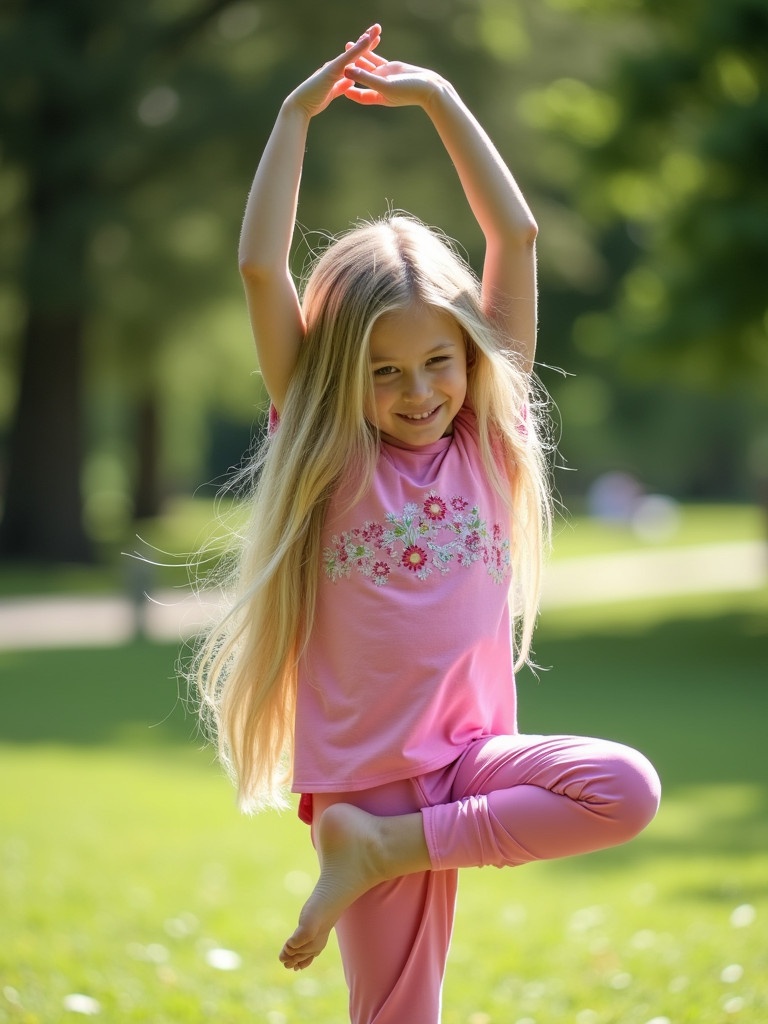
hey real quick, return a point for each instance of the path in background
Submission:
(171, 615)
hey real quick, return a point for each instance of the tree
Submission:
(684, 168)
(132, 131)
(72, 76)
(661, 151)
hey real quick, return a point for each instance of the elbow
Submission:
(529, 232)
(519, 235)
(254, 274)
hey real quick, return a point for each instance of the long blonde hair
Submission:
(246, 667)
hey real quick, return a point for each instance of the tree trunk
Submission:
(147, 497)
(42, 520)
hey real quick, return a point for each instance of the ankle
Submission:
(402, 845)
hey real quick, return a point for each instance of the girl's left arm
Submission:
(508, 226)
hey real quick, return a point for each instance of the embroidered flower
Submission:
(337, 562)
(434, 508)
(380, 573)
(424, 537)
(473, 542)
(373, 533)
(361, 553)
(414, 558)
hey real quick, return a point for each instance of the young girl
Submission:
(401, 494)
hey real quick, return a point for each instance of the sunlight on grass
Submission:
(577, 537)
(129, 879)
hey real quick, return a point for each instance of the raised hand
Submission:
(388, 83)
(329, 81)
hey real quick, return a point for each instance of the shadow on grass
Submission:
(691, 694)
(123, 695)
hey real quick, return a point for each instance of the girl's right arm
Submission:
(270, 214)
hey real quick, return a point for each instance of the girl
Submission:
(401, 492)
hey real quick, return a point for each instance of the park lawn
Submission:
(127, 876)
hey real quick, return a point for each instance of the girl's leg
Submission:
(394, 934)
(394, 944)
(523, 798)
(507, 801)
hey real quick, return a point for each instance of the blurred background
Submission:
(130, 132)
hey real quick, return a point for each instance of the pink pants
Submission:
(506, 801)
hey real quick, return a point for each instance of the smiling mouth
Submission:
(419, 416)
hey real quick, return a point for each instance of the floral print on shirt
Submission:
(433, 535)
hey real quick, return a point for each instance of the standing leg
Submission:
(518, 799)
(394, 938)
(394, 944)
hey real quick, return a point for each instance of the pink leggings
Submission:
(506, 801)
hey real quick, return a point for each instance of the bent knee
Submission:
(640, 792)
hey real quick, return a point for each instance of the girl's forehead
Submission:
(415, 326)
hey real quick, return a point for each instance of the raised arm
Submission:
(270, 215)
(509, 270)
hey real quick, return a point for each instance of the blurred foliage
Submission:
(130, 134)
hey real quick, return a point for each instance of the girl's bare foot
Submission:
(357, 851)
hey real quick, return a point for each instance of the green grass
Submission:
(696, 524)
(123, 861)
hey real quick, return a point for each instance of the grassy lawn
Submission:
(127, 876)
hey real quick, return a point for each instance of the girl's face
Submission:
(419, 367)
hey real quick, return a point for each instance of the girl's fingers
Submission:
(377, 59)
(351, 50)
(365, 64)
(374, 59)
(361, 76)
(342, 86)
(370, 94)
(365, 97)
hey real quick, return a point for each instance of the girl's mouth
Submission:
(419, 417)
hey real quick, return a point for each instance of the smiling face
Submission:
(419, 366)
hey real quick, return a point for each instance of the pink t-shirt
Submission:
(410, 657)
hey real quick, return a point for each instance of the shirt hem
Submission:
(357, 784)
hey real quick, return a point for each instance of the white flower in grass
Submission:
(659, 1020)
(586, 918)
(223, 959)
(733, 1005)
(732, 973)
(586, 1017)
(644, 939)
(620, 981)
(743, 916)
(76, 1002)
(679, 983)
(182, 926)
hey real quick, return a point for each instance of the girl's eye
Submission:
(438, 359)
(384, 371)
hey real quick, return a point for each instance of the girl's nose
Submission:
(416, 387)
